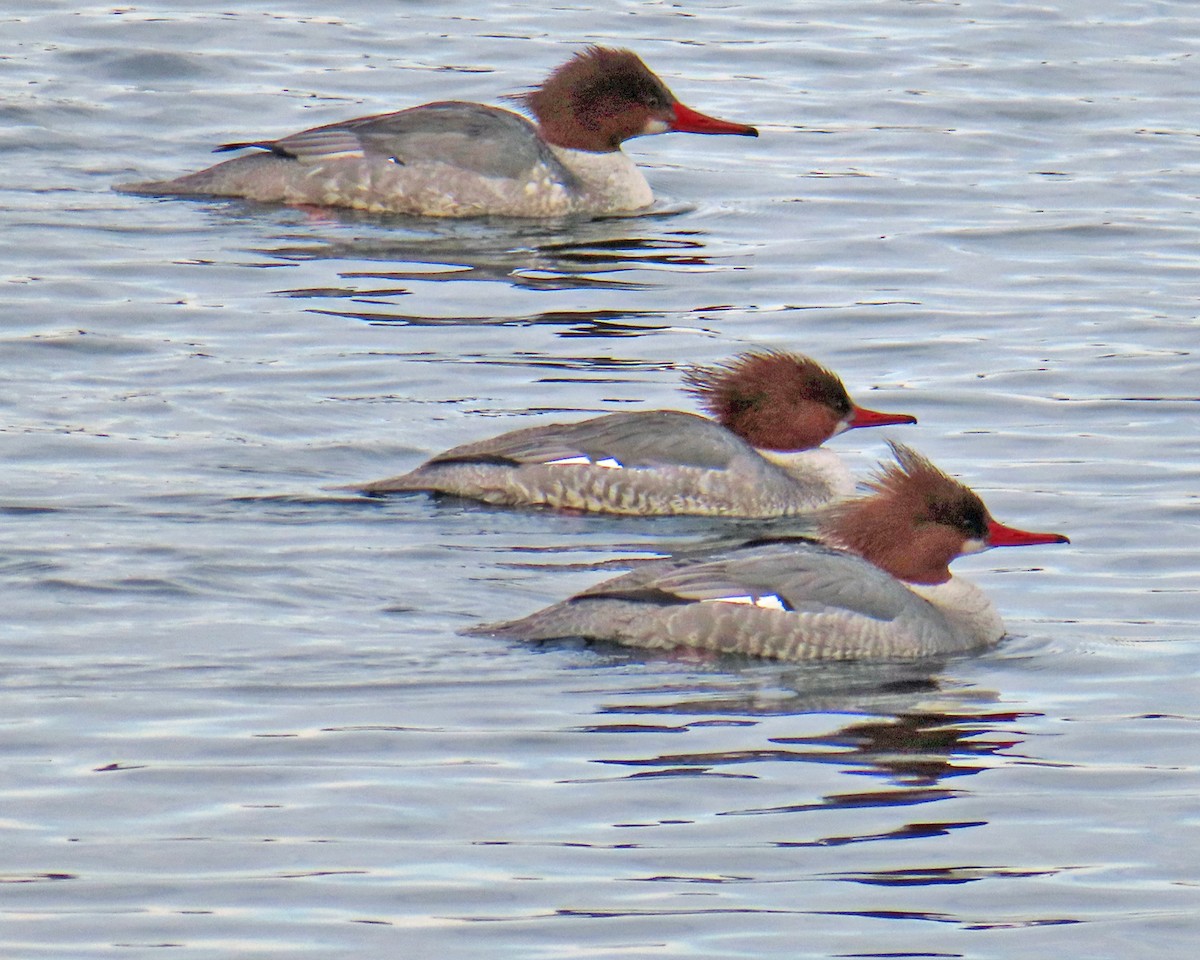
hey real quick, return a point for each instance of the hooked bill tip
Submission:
(688, 120)
(1001, 536)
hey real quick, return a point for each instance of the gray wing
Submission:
(642, 439)
(470, 136)
(801, 575)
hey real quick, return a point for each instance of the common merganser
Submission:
(454, 159)
(877, 587)
(756, 459)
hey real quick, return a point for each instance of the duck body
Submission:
(797, 600)
(447, 159)
(459, 159)
(875, 585)
(645, 463)
(759, 456)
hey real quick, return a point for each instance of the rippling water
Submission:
(237, 718)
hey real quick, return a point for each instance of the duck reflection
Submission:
(918, 749)
(907, 726)
(591, 255)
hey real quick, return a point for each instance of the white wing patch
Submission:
(768, 601)
(610, 462)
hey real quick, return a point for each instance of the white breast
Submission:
(966, 607)
(611, 181)
(816, 466)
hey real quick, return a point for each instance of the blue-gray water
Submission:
(236, 717)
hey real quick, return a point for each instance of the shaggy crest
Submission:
(758, 395)
(942, 499)
(916, 520)
(584, 104)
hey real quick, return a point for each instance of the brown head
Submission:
(780, 401)
(601, 97)
(917, 520)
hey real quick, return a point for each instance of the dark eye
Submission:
(830, 394)
(966, 514)
(649, 95)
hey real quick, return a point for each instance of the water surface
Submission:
(238, 718)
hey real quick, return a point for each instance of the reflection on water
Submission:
(582, 323)
(596, 255)
(934, 876)
(554, 265)
(920, 748)
(908, 727)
